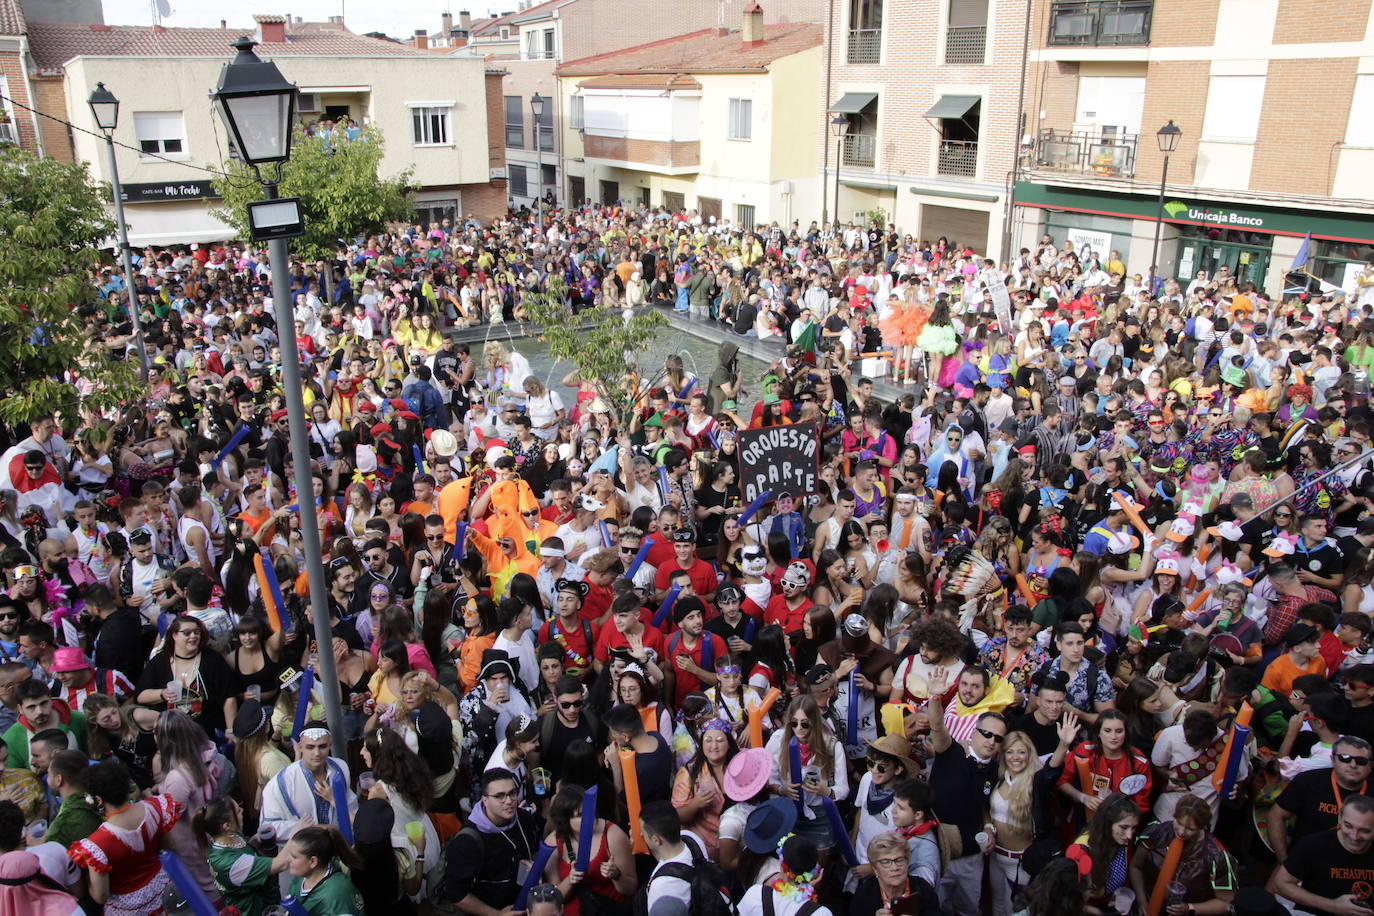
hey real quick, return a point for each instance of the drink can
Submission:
(369, 706)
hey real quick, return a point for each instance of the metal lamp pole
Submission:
(839, 125)
(537, 109)
(259, 107)
(105, 108)
(1168, 137)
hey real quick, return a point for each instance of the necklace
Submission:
(120, 810)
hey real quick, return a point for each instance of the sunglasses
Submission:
(9, 616)
(434, 537)
(26, 572)
(629, 550)
(33, 467)
(1351, 758)
(570, 704)
(531, 512)
(801, 725)
(991, 736)
(878, 764)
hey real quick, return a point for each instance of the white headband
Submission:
(552, 552)
(310, 734)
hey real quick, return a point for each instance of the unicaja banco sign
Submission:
(1178, 210)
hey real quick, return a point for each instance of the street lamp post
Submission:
(105, 109)
(537, 108)
(1168, 137)
(258, 106)
(839, 126)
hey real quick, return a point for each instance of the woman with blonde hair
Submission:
(358, 512)
(256, 758)
(545, 408)
(1020, 809)
(123, 733)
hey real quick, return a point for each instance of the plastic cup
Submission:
(254, 692)
(175, 688)
(365, 782)
(415, 831)
(38, 828)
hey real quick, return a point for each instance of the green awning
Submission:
(853, 102)
(953, 106)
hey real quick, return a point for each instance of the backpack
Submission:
(709, 897)
(766, 895)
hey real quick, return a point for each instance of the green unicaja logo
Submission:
(1175, 208)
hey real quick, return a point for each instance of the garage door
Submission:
(960, 226)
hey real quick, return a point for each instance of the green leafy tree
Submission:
(601, 344)
(341, 190)
(52, 218)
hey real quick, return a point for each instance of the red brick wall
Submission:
(1175, 24)
(52, 98)
(655, 152)
(487, 201)
(1177, 90)
(12, 66)
(1305, 112)
(484, 201)
(1335, 20)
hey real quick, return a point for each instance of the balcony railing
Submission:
(860, 150)
(1096, 23)
(965, 44)
(1087, 153)
(958, 157)
(865, 46)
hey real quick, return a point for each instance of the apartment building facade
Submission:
(921, 102)
(1274, 104)
(431, 108)
(721, 121)
(530, 44)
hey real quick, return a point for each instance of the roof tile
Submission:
(54, 44)
(702, 51)
(11, 18)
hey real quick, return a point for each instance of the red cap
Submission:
(399, 404)
(367, 407)
(408, 415)
(380, 429)
(278, 415)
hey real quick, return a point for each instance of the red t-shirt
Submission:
(660, 553)
(610, 638)
(685, 682)
(597, 601)
(790, 619)
(577, 651)
(702, 574)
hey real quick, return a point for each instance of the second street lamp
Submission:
(1168, 137)
(105, 110)
(839, 126)
(537, 103)
(259, 108)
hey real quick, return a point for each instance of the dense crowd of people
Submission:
(1079, 623)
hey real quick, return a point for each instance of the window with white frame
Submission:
(741, 125)
(518, 180)
(531, 45)
(1360, 131)
(1233, 108)
(575, 111)
(550, 45)
(429, 125)
(160, 133)
(9, 127)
